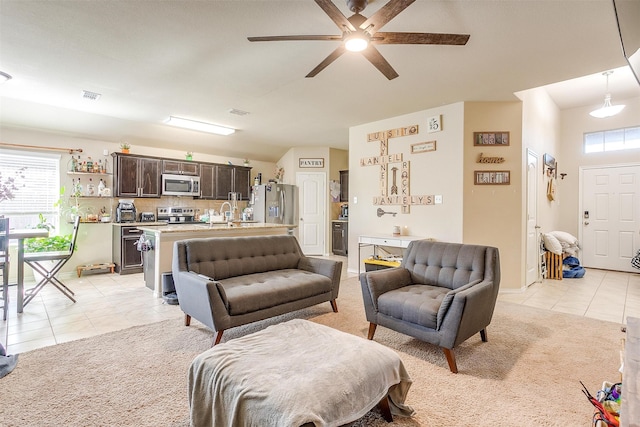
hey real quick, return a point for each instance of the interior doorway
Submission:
(610, 216)
(533, 273)
(312, 226)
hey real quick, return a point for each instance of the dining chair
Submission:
(49, 264)
(4, 265)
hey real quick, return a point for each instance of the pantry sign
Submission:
(311, 163)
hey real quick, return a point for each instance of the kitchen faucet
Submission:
(232, 216)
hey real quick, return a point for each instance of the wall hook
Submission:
(562, 175)
(381, 212)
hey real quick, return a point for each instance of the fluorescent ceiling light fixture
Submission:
(4, 77)
(607, 110)
(199, 126)
(356, 42)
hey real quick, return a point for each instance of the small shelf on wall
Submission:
(89, 173)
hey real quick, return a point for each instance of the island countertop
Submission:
(213, 229)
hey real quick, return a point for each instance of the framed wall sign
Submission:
(492, 177)
(491, 138)
(422, 147)
(435, 124)
(311, 163)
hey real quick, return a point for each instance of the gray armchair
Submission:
(442, 293)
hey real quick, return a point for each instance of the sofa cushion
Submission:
(222, 258)
(253, 292)
(417, 304)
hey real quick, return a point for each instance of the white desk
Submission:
(377, 240)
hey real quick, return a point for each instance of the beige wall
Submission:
(437, 172)
(493, 213)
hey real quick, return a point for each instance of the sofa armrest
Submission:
(376, 283)
(199, 298)
(326, 267)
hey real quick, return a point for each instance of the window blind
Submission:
(38, 187)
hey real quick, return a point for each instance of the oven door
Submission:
(179, 185)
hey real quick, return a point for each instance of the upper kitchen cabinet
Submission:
(344, 186)
(136, 176)
(207, 181)
(229, 179)
(177, 167)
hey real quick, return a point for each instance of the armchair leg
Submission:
(218, 337)
(451, 360)
(334, 305)
(372, 330)
(483, 335)
(187, 320)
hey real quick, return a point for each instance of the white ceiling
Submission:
(150, 59)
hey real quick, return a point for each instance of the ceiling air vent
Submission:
(238, 112)
(90, 95)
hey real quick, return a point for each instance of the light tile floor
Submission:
(109, 302)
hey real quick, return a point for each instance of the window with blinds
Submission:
(38, 187)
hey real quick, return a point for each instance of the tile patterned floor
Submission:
(108, 302)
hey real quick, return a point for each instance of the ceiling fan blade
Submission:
(378, 61)
(420, 38)
(385, 14)
(328, 60)
(289, 38)
(336, 16)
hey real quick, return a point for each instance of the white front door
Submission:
(313, 212)
(533, 240)
(610, 216)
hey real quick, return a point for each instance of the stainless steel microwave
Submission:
(180, 185)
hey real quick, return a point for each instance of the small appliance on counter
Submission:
(344, 211)
(177, 215)
(147, 217)
(126, 211)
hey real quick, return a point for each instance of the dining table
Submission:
(20, 234)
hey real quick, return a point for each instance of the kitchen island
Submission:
(158, 254)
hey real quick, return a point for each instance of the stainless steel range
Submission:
(176, 215)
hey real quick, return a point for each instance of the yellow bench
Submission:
(102, 266)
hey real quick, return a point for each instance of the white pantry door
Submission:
(610, 217)
(533, 238)
(313, 212)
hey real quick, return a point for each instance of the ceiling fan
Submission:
(360, 34)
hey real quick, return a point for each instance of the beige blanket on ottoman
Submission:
(294, 373)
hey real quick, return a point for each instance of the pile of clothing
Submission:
(566, 245)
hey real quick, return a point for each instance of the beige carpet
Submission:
(526, 375)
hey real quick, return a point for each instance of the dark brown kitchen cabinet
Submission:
(126, 257)
(177, 167)
(207, 181)
(136, 176)
(340, 237)
(344, 186)
(229, 179)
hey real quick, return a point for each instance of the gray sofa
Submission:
(225, 282)
(442, 293)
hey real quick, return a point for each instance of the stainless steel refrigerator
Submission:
(275, 203)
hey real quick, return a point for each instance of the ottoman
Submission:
(295, 373)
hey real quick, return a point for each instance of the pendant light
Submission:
(607, 110)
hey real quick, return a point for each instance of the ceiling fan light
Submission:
(356, 43)
(199, 126)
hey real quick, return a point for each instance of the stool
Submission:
(554, 265)
(102, 266)
(296, 373)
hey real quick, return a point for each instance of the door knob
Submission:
(586, 223)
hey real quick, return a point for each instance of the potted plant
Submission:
(125, 146)
(47, 244)
(189, 155)
(245, 162)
